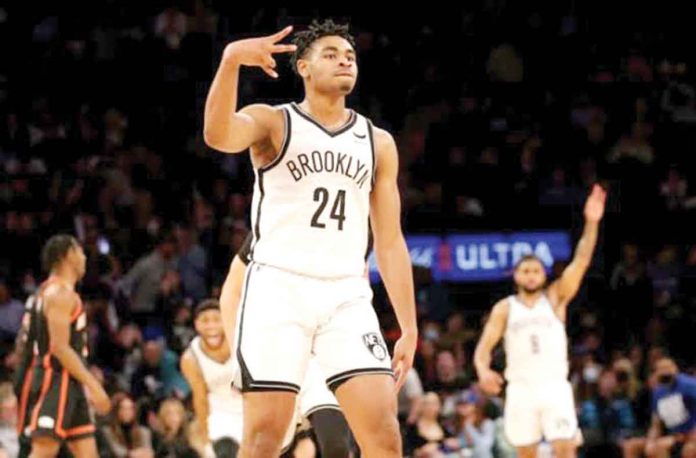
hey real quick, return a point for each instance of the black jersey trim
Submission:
(370, 129)
(257, 225)
(337, 380)
(284, 146)
(319, 407)
(244, 252)
(331, 133)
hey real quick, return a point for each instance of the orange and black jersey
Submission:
(51, 401)
(39, 338)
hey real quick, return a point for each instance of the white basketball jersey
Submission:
(311, 204)
(222, 398)
(536, 345)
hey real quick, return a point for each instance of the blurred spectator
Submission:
(11, 311)
(125, 438)
(171, 436)
(8, 420)
(475, 432)
(193, 265)
(505, 64)
(607, 417)
(665, 273)
(634, 146)
(158, 375)
(674, 411)
(457, 337)
(180, 332)
(450, 380)
(425, 438)
(410, 397)
(674, 191)
(633, 294)
(142, 283)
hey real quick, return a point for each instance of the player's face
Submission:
(530, 276)
(209, 327)
(330, 66)
(78, 260)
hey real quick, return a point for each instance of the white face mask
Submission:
(431, 334)
(590, 374)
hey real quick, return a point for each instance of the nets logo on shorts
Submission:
(374, 343)
(562, 424)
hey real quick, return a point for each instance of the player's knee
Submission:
(386, 437)
(527, 452)
(44, 447)
(265, 432)
(565, 450)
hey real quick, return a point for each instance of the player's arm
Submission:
(563, 290)
(225, 128)
(391, 252)
(491, 381)
(194, 377)
(231, 292)
(58, 310)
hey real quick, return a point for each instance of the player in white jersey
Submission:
(539, 399)
(322, 171)
(209, 368)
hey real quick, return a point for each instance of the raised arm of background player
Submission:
(392, 255)
(560, 293)
(231, 131)
(59, 307)
(231, 293)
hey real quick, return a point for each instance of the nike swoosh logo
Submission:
(360, 136)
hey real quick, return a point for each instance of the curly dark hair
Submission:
(316, 30)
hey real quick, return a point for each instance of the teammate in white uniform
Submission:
(209, 368)
(539, 399)
(322, 171)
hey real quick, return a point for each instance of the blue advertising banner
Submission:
(481, 257)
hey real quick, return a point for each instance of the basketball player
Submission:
(316, 403)
(208, 367)
(53, 403)
(322, 171)
(539, 398)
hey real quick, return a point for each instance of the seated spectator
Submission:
(8, 420)
(11, 311)
(673, 428)
(607, 418)
(450, 381)
(475, 432)
(171, 436)
(158, 375)
(424, 439)
(125, 438)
